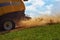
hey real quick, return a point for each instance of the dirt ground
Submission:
(38, 21)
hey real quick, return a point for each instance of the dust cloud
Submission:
(39, 21)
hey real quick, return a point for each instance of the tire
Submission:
(8, 25)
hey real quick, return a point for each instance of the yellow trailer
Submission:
(11, 10)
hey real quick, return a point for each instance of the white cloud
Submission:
(45, 12)
(38, 2)
(49, 7)
(31, 10)
(48, 11)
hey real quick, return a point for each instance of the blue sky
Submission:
(35, 8)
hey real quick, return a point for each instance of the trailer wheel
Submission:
(8, 25)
